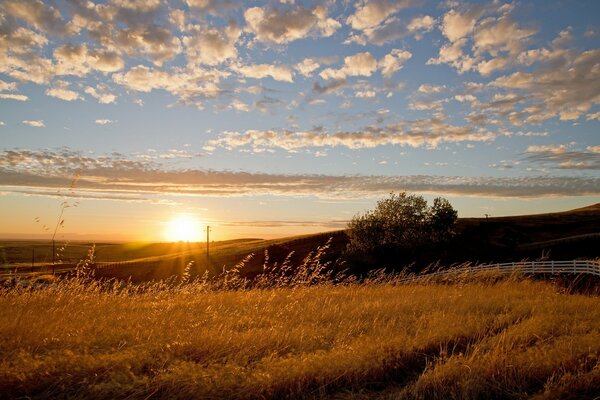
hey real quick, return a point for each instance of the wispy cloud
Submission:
(420, 133)
(35, 123)
(104, 121)
(116, 175)
(565, 156)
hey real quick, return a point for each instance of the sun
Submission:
(184, 228)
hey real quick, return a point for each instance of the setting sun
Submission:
(184, 228)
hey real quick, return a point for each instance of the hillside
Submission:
(563, 235)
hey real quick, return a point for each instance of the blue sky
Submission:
(273, 118)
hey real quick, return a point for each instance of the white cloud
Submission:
(100, 93)
(360, 64)
(280, 27)
(190, 86)
(211, 46)
(567, 90)
(260, 71)
(104, 121)
(43, 171)
(8, 86)
(307, 67)
(425, 23)
(13, 96)
(61, 90)
(35, 124)
(428, 133)
(456, 25)
(564, 156)
(78, 60)
(428, 89)
(370, 14)
(393, 62)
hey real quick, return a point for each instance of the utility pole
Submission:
(207, 241)
(32, 258)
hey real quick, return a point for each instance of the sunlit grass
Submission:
(506, 339)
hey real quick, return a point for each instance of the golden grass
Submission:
(508, 338)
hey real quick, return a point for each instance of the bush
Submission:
(399, 223)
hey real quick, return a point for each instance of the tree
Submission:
(402, 221)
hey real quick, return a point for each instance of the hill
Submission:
(562, 235)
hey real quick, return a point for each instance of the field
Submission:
(481, 338)
(294, 330)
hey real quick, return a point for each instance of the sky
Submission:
(266, 119)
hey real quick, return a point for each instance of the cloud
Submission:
(330, 87)
(104, 121)
(8, 86)
(360, 64)
(61, 90)
(566, 90)
(564, 157)
(424, 23)
(42, 16)
(496, 41)
(211, 46)
(13, 96)
(260, 71)
(78, 60)
(307, 67)
(429, 89)
(113, 175)
(393, 62)
(35, 124)
(100, 93)
(375, 21)
(419, 133)
(190, 86)
(456, 25)
(370, 14)
(280, 27)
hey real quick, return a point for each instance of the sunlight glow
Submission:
(184, 228)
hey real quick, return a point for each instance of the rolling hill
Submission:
(562, 235)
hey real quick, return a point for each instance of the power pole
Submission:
(207, 241)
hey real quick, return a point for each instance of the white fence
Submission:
(527, 267)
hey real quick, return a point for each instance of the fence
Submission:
(527, 267)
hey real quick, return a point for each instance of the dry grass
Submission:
(497, 338)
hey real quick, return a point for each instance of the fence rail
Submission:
(527, 267)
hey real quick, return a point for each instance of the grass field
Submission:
(483, 338)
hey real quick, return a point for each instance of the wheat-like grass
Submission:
(305, 331)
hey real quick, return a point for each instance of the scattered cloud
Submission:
(13, 96)
(260, 71)
(104, 121)
(564, 156)
(274, 26)
(211, 46)
(100, 93)
(44, 171)
(375, 22)
(393, 62)
(34, 123)
(307, 67)
(429, 89)
(61, 90)
(419, 133)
